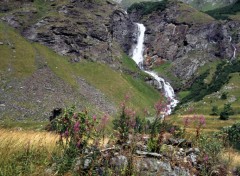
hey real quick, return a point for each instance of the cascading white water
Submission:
(138, 58)
(138, 50)
(234, 48)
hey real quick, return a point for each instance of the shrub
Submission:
(125, 122)
(76, 130)
(233, 133)
(211, 147)
(227, 111)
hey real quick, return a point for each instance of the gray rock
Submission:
(157, 155)
(119, 162)
(50, 171)
(193, 158)
(196, 150)
(153, 167)
(1, 43)
(87, 163)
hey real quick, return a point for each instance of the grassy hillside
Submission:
(112, 83)
(228, 12)
(203, 5)
(205, 96)
(21, 59)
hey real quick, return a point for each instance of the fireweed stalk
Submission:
(199, 122)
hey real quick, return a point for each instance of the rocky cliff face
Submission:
(187, 38)
(91, 30)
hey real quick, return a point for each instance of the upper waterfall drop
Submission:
(139, 58)
(138, 50)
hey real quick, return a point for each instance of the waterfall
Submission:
(234, 48)
(139, 58)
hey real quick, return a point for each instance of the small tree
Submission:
(227, 111)
(233, 133)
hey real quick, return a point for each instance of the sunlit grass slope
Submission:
(114, 84)
(204, 106)
(20, 59)
(17, 55)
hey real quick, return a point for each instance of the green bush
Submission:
(146, 8)
(199, 89)
(227, 111)
(211, 147)
(233, 133)
(224, 12)
(76, 130)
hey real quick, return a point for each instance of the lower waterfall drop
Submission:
(139, 58)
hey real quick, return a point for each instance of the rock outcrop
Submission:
(93, 30)
(187, 38)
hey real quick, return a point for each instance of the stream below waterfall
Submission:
(139, 58)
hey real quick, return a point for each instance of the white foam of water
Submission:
(138, 58)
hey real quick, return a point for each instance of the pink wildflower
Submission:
(186, 121)
(161, 107)
(66, 133)
(206, 158)
(76, 126)
(94, 117)
(79, 144)
(202, 121)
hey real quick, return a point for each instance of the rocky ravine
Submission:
(187, 38)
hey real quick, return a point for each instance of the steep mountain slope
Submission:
(230, 12)
(34, 79)
(180, 39)
(202, 5)
(205, 5)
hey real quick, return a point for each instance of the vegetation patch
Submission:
(165, 70)
(112, 83)
(17, 54)
(146, 8)
(225, 13)
(190, 15)
(200, 89)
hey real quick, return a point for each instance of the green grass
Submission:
(190, 15)
(112, 83)
(146, 8)
(165, 71)
(128, 63)
(18, 58)
(205, 105)
(23, 125)
(227, 12)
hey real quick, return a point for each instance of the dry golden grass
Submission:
(213, 123)
(25, 152)
(232, 157)
(14, 140)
